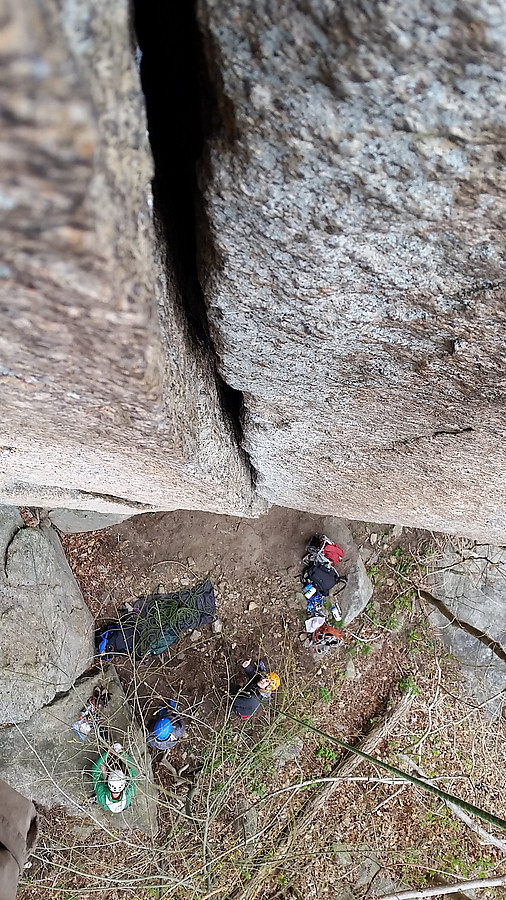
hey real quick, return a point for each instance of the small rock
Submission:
(184, 581)
(342, 854)
(195, 636)
(397, 531)
(217, 626)
(234, 645)
(191, 562)
(245, 825)
(350, 670)
(181, 655)
(83, 831)
(365, 554)
(392, 559)
(369, 867)
(288, 751)
(252, 605)
(293, 571)
(390, 581)
(373, 538)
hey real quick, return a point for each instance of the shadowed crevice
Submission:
(179, 100)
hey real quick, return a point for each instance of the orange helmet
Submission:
(274, 680)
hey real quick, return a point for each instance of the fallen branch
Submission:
(486, 837)
(312, 807)
(446, 889)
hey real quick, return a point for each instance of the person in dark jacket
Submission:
(18, 835)
(165, 728)
(256, 690)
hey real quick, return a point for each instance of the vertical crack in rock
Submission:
(178, 94)
(489, 642)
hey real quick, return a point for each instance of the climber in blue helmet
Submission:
(165, 728)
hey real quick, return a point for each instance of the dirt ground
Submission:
(255, 566)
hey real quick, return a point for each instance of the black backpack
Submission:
(323, 578)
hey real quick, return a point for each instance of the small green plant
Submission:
(325, 695)
(326, 753)
(391, 623)
(409, 685)
(366, 649)
(372, 614)
(259, 789)
(374, 574)
(403, 561)
(482, 867)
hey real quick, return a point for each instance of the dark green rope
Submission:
(430, 788)
(167, 612)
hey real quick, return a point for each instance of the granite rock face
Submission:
(467, 584)
(47, 633)
(108, 403)
(353, 253)
(49, 763)
(349, 239)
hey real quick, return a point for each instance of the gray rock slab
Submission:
(75, 521)
(468, 582)
(45, 760)
(352, 201)
(368, 868)
(47, 633)
(483, 672)
(10, 522)
(358, 591)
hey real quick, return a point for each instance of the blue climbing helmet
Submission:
(162, 729)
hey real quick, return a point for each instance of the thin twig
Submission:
(446, 889)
